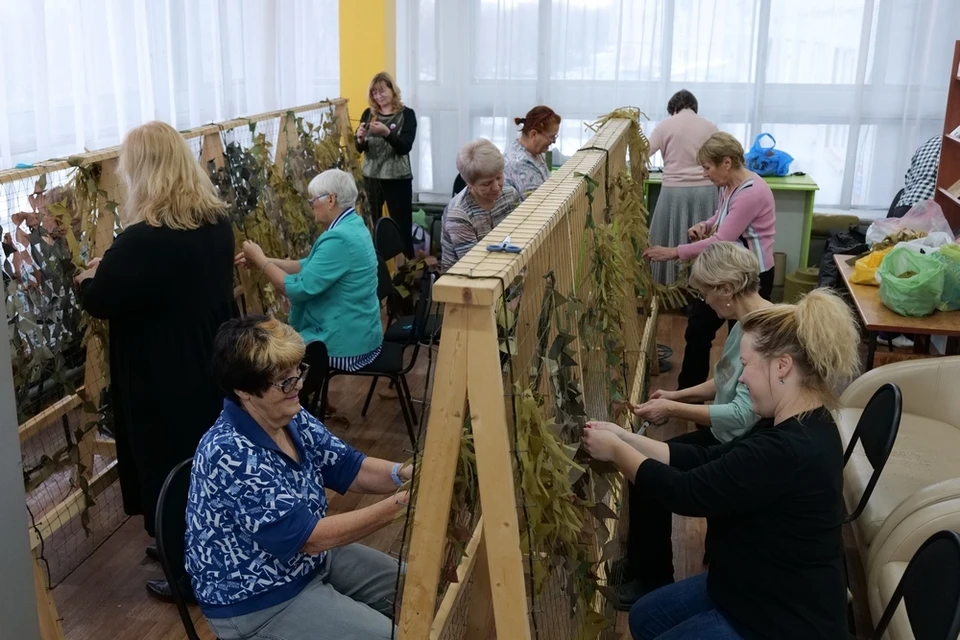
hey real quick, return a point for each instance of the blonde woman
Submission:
(727, 276)
(165, 285)
(385, 137)
(772, 498)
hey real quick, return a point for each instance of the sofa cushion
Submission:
(899, 628)
(925, 452)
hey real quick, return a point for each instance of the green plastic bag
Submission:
(911, 283)
(949, 256)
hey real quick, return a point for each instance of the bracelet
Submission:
(395, 474)
(265, 265)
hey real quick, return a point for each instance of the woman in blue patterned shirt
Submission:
(525, 166)
(265, 559)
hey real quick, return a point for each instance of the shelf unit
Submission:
(949, 170)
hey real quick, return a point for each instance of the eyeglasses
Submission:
(316, 198)
(289, 384)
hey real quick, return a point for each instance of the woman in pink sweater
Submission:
(687, 196)
(745, 213)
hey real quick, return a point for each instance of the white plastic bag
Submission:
(929, 243)
(924, 216)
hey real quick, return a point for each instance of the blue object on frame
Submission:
(504, 246)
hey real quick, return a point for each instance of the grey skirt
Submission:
(678, 209)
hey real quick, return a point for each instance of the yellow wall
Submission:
(368, 45)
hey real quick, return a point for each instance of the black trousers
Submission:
(702, 325)
(398, 196)
(649, 539)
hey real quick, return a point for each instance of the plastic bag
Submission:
(929, 243)
(844, 242)
(949, 256)
(926, 215)
(911, 283)
(767, 161)
(865, 269)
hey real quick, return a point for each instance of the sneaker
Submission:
(899, 342)
(618, 572)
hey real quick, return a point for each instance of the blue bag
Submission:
(768, 161)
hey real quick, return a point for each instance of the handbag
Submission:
(767, 161)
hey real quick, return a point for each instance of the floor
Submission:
(105, 596)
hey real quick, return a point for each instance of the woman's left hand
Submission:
(377, 128)
(661, 254)
(657, 410)
(85, 275)
(253, 254)
(601, 444)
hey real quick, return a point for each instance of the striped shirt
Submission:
(522, 170)
(746, 215)
(351, 363)
(465, 223)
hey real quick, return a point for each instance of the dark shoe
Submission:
(152, 553)
(630, 592)
(160, 590)
(619, 572)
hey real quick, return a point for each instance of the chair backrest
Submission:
(877, 432)
(384, 281)
(171, 527)
(388, 240)
(893, 205)
(930, 590)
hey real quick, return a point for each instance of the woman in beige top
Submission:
(687, 197)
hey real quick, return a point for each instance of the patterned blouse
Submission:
(522, 170)
(465, 223)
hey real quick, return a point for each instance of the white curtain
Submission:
(848, 87)
(78, 74)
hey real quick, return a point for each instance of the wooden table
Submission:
(878, 318)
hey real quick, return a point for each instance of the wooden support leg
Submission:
(480, 614)
(50, 627)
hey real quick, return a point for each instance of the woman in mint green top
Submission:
(333, 291)
(728, 278)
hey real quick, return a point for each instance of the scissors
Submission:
(504, 246)
(646, 424)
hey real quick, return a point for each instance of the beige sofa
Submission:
(918, 492)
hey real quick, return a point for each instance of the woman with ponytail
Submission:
(525, 167)
(772, 498)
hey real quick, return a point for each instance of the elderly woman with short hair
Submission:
(333, 290)
(264, 557)
(727, 277)
(475, 211)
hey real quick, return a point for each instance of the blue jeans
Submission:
(680, 611)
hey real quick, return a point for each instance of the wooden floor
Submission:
(105, 597)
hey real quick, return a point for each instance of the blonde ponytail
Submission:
(820, 333)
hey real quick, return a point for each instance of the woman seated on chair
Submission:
(728, 278)
(333, 290)
(475, 211)
(772, 498)
(264, 557)
(525, 166)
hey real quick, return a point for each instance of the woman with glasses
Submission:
(333, 291)
(524, 163)
(727, 276)
(264, 557)
(385, 137)
(165, 285)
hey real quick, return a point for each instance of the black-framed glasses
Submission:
(289, 384)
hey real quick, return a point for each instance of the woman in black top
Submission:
(166, 286)
(385, 137)
(772, 498)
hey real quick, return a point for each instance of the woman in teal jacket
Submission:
(333, 291)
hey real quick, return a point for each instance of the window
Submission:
(714, 40)
(505, 39)
(427, 40)
(814, 41)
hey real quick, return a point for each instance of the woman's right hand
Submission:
(698, 231)
(362, 132)
(402, 499)
(615, 429)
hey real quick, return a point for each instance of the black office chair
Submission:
(317, 357)
(930, 590)
(390, 362)
(171, 530)
(459, 184)
(877, 430)
(388, 239)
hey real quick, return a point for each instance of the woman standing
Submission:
(166, 286)
(687, 196)
(385, 137)
(726, 276)
(525, 166)
(773, 498)
(745, 214)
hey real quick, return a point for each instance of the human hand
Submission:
(664, 394)
(402, 498)
(698, 231)
(377, 128)
(600, 444)
(613, 428)
(252, 254)
(655, 411)
(94, 264)
(84, 275)
(661, 254)
(362, 132)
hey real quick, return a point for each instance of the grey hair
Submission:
(479, 160)
(339, 183)
(726, 267)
